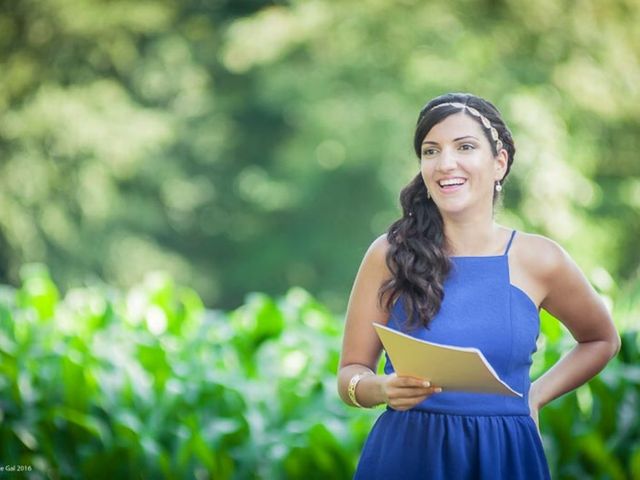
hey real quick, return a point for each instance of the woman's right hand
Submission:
(403, 393)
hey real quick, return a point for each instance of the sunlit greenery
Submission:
(254, 145)
(149, 384)
(260, 146)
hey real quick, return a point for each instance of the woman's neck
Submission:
(474, 237)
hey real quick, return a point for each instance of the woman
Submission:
(446, 272)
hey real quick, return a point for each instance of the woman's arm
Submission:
(361, 347)
(571, 299)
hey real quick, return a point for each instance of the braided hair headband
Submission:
(483, 119)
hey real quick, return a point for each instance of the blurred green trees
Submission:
(255, 145)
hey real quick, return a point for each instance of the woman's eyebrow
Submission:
(455, 140)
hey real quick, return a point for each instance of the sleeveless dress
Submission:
(459, 435)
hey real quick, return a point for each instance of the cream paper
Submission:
(451, 368)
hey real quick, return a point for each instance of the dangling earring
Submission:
(428, 193)
(498, 186)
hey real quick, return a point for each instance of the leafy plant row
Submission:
(149, 384)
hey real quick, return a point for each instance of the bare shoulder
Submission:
(380, 245)
(539, 255)
(563, 290)
(361, 344)
(536, 262)
(376, 255)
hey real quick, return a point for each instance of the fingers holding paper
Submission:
(403, 393)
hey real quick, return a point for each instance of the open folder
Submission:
(452, 368)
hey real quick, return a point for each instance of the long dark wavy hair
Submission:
(417, 255)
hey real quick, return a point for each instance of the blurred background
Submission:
(193, 185)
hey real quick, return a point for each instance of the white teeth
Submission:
(450, 182)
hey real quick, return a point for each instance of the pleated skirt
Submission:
(417, 444)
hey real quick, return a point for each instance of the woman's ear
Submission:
(501, 162)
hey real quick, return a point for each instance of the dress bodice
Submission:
(481, 309)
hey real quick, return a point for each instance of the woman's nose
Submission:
(447, 160)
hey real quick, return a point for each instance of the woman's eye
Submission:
(428, 151)
(467, 146)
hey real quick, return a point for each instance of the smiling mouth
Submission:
(451, 184)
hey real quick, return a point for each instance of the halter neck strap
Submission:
(513, 234)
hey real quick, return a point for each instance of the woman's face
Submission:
(458, 166)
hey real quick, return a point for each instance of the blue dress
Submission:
(464, 436)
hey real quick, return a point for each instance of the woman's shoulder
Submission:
(538, 254)
(380, 245)
(377, 251)
(373, 270)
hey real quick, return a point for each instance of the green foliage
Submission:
(253, 145)
(593, 432)
(218, 141)
(149, 384)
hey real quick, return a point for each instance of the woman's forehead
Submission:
(454, 126)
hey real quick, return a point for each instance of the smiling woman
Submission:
(446, 272)
(459, 170)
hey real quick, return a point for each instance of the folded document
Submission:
(452, 368)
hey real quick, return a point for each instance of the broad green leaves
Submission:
(168, 389)
(105, 384)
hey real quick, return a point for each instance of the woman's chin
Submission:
(455, 207)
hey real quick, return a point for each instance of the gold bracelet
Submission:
(352, 386)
